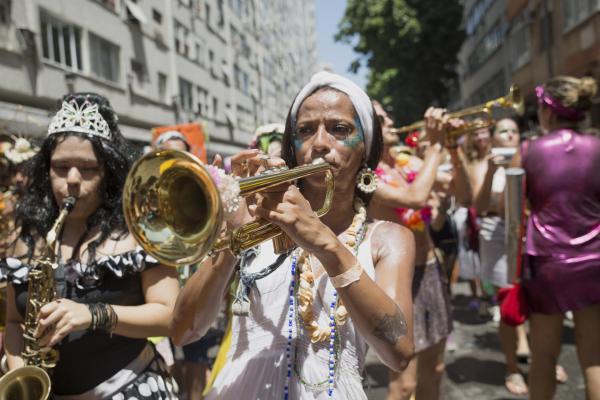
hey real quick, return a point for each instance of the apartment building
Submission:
(526, 42)
(230, 64)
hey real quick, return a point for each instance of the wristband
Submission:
(346, 278)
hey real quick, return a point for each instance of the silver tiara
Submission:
(83, 118)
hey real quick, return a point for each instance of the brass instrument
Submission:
(512, 100)
(173, 208)
(513, 210)
(32, 381)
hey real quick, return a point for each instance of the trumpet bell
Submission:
(172, 206)
(25, 383)
(516, 100)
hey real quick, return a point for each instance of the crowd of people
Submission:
(413, 213)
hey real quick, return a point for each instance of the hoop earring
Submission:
(366, 181)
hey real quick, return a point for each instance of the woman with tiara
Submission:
(110, 295)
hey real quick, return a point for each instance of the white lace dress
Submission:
(256, 366)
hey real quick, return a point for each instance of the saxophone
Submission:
(32, 381)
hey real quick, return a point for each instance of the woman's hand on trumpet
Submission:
(293, 214)
(246, 163)
(438, 123)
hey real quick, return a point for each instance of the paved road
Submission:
(475, 370)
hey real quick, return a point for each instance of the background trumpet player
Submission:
(110, 295)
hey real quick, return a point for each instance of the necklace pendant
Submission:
(241, 303)
(240, 308)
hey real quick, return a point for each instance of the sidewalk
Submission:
(475, 370)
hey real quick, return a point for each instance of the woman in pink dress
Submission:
(563, 241)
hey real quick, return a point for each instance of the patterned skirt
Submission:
(154, 383)
(145, 378)
(432, 316)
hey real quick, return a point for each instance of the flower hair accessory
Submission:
(228, 186)
(20, 152)
(84, 118)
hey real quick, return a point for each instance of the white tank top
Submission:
(256, 366)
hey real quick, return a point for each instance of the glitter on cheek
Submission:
(355, 140)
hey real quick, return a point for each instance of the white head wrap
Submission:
(360, 100)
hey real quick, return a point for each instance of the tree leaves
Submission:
(410, 47)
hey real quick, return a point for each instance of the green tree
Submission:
(410, 48)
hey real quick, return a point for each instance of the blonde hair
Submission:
(573, 92)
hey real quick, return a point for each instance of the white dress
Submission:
(256, 365)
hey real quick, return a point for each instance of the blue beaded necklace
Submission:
(334, 342)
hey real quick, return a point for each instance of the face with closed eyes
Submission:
(506, 133)
(76, 171)
(327, 127)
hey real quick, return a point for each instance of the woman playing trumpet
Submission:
(313, 311)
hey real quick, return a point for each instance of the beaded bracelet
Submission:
(104, 317)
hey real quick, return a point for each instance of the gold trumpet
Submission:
(173, 207)
(512, 100)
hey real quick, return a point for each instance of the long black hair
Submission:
(37, 210)
(371, 160)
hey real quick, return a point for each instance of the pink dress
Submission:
(563, 231)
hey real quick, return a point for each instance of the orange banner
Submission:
(193, 132)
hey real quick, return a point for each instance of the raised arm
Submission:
(460, 185)
(416, 194)
(482, 185)
(201, 298)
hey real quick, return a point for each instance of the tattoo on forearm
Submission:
(390, 328)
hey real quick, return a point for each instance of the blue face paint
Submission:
(353, 141)
(297, 142)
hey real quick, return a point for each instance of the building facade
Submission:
(526, 42)
(230, 64)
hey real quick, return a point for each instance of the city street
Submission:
(475, 370)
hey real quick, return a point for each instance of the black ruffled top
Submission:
(89, 358)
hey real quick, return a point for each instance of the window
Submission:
(156, 16)
(520, 46)
(239, 42)
(186, 94)
(61, 42)
(111, 4)
(4, 12)
(476, 14)
(545, 31)
(182, 37)
(215, 108)
(575, 11)
(202, 101)
(199, 53)
(241, 79)
(221, 21)
(162, 88)
(487, 46)
(140, 73)
(207, 11)
(104, 58)
(237, 6)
